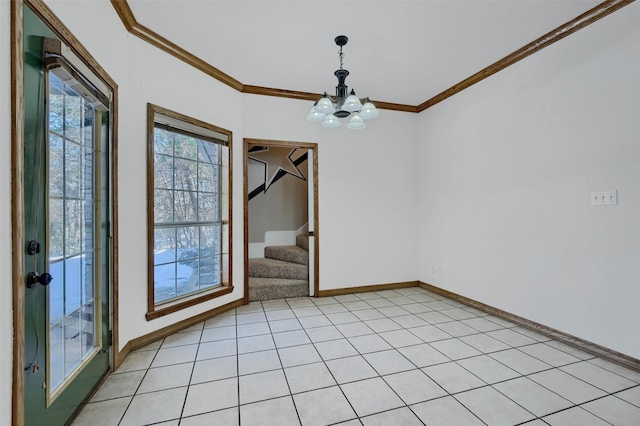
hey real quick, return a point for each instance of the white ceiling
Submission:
(399, 51)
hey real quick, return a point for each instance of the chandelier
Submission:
(328, 109)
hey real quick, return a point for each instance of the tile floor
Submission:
(395, 357)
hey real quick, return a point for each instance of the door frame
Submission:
(316, 232)
(17, 190)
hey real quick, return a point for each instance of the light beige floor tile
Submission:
(481, 324)
(356, 305)
(532, 396)
(353, 329)
(532, 334)
(250, 308)
(493, 408)
(342, 318)
(285, 325)
(388, 362)
(456, 329)
(484, 343)
(599, 377)
(137, 361)
(303, 378)
(218, 333)
(393, 311)
(488, 369)
(321, 334)
(382, 324)
(153, 346)
(307, 311)
(430, 333)
(182, 338)
(274, 305)
(368, 314)
(250, 318)
(209, 370)
(618, 369)
(632, 396)
(220, 321)
(371, 396)
(253, 329)
(369, 343)
(400, 338)
(367, 296)
(319, 301)
(346, 298)
(171, 376)
(455, 349)
(380, 303)
(155, 407)
(274, 412)
(414, 386)
(416, 308)
(228, 417)
(257, 362)
(575, 416)
(423, 355)
(550, 355)
(177, 355)
(445, 412)
(255, 343)
(300, 302)
(434, 317)
(298, 355)
(109, 412)
(315, 321)
(119, 385)
(211, 396)
(511, 338)
(291, 338)
(333, 349)
(453, 378)
(217, 349)
(409, 321)
(350, 369)
(614, 410)
(261, 386)
(400, 416)
(500, 321)
(520, 361)
(332, 308)
(400, 300)
(458, 314)
(567, 386)
(280, 314)
(570, 350)
(323, 407)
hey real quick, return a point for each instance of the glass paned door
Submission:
(71, 203)
(67, 215)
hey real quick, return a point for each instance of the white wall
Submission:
(506, 172)
(367, 190)
(6, 319)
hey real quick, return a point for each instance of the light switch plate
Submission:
(604, 198)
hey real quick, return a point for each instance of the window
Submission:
(189, 211)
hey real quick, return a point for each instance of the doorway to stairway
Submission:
(280, 219)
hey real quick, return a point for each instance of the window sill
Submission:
(161, 311)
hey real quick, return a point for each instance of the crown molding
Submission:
(589, 17)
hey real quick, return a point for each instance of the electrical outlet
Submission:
(604, 198)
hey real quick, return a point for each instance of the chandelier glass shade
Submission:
(329, 110)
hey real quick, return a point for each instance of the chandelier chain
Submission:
(341, 56)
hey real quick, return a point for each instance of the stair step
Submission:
(302, 240)
(292, 254)
(273, 268)
(276, 288)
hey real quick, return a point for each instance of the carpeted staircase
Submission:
(284, 272)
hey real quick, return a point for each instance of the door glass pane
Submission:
(71, 306)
